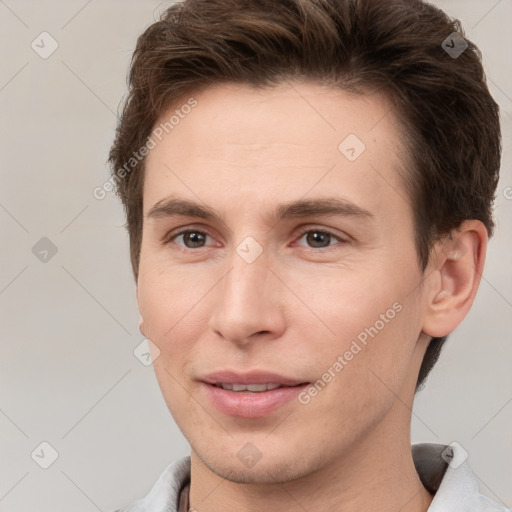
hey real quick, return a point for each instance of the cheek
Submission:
(344, 303)
(360, 374)
(175, 312)
(373, 324)
(167, 299)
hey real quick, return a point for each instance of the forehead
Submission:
(266, 115)
(288, 139)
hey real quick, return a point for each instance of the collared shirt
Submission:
(443, 470)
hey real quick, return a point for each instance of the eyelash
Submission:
(172, 236)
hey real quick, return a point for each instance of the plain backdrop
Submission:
(69, 377)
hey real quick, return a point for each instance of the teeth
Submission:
(255, 388)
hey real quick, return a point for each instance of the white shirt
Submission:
(443, 469)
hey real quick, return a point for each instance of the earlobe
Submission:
(457, 273)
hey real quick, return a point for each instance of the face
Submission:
(324, 295)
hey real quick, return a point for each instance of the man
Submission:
(308, 188)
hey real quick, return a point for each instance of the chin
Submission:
(268, 469)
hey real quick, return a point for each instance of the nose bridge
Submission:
(250, 271)
(246, 301)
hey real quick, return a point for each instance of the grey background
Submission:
(69, 326)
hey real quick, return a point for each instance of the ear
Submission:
(454, 278)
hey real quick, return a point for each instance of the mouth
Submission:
(251, 388)
(250, 379)
(250, 395)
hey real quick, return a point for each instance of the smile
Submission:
(250, 400)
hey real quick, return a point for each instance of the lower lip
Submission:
(244, 404)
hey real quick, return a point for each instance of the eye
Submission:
(320, 238)
(192, 238)
(196, 239)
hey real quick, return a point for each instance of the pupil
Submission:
(194, 237)
(316, 236)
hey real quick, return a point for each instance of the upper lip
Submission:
(251, 377)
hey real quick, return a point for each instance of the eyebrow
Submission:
(172, 206)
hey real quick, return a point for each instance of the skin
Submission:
(298, 306)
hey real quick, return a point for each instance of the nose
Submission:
(248, 302)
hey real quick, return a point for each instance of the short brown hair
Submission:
(450, 121)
